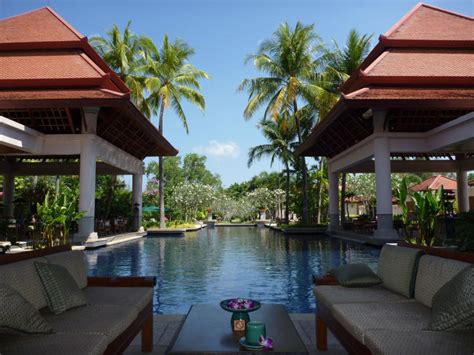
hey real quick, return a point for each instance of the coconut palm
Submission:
(125, 53)
(340, 63)
(290, 59)
(170, 80)
(280, 136)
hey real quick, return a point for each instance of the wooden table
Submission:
(206, 330)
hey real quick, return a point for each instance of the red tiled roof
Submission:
(42, 25)
(45, 63)
(435, 183)
(426, 22)
(42, 65)
(424, 62)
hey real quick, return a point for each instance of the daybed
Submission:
(117, 309)
(394, 317)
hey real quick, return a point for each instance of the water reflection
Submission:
(214, 264)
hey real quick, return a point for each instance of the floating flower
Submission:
(267, 343)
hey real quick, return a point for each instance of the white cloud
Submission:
(214, 148)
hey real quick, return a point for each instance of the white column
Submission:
(8, 195)
(383, 183)
(463, 190)
(137, 186)
(87, 189)
(333, 201)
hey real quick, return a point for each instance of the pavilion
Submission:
(63, 111)
(408, 108)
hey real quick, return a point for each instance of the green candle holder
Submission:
(240, 316)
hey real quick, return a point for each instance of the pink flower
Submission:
(267, 343)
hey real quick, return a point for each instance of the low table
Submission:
(206, 330)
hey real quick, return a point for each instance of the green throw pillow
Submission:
(356, 275)
(62, 291)
(453, 305)
(17, 315)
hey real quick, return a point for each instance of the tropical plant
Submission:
(170, 80)
(280, 134)
(290, 59)
(402, 193)
(55, 216)
(428, 205)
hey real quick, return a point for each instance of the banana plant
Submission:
(402, 193)
(428, 205)
(56, 214)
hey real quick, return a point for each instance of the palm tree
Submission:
(340, 64)
(280, 137)
(170, 80)
(125, 53)
(290, 60)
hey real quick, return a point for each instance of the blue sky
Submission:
(223, 32)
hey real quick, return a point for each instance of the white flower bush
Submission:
(189, 198)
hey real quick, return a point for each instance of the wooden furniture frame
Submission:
(144, 321)
(325, 318)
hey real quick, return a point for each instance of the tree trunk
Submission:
(320, 188)
(343, 196)
(303, 166)
(287, 194)
(161, 172)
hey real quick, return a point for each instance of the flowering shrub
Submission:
(190, 198)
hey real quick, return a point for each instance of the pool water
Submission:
(214, 264)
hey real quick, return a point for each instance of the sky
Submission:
(223, 33)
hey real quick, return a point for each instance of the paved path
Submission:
(165, 327)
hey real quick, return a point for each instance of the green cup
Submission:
(254, 331)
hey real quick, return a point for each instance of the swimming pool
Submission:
(213, 264)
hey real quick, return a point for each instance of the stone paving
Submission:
(166, 326)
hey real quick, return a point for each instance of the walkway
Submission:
(165, 327)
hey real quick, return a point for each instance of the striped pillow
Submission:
(62, 292)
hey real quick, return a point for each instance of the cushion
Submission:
(453, 305)
(389, 342)
(358, 318)
(62, 292)
(397, 268)
(22, 276)
(59, 343)
(19, 315)
(433, 273)
(356, 275)
(137, 297)
(75, 262)
(106, 320)
(335, 294)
